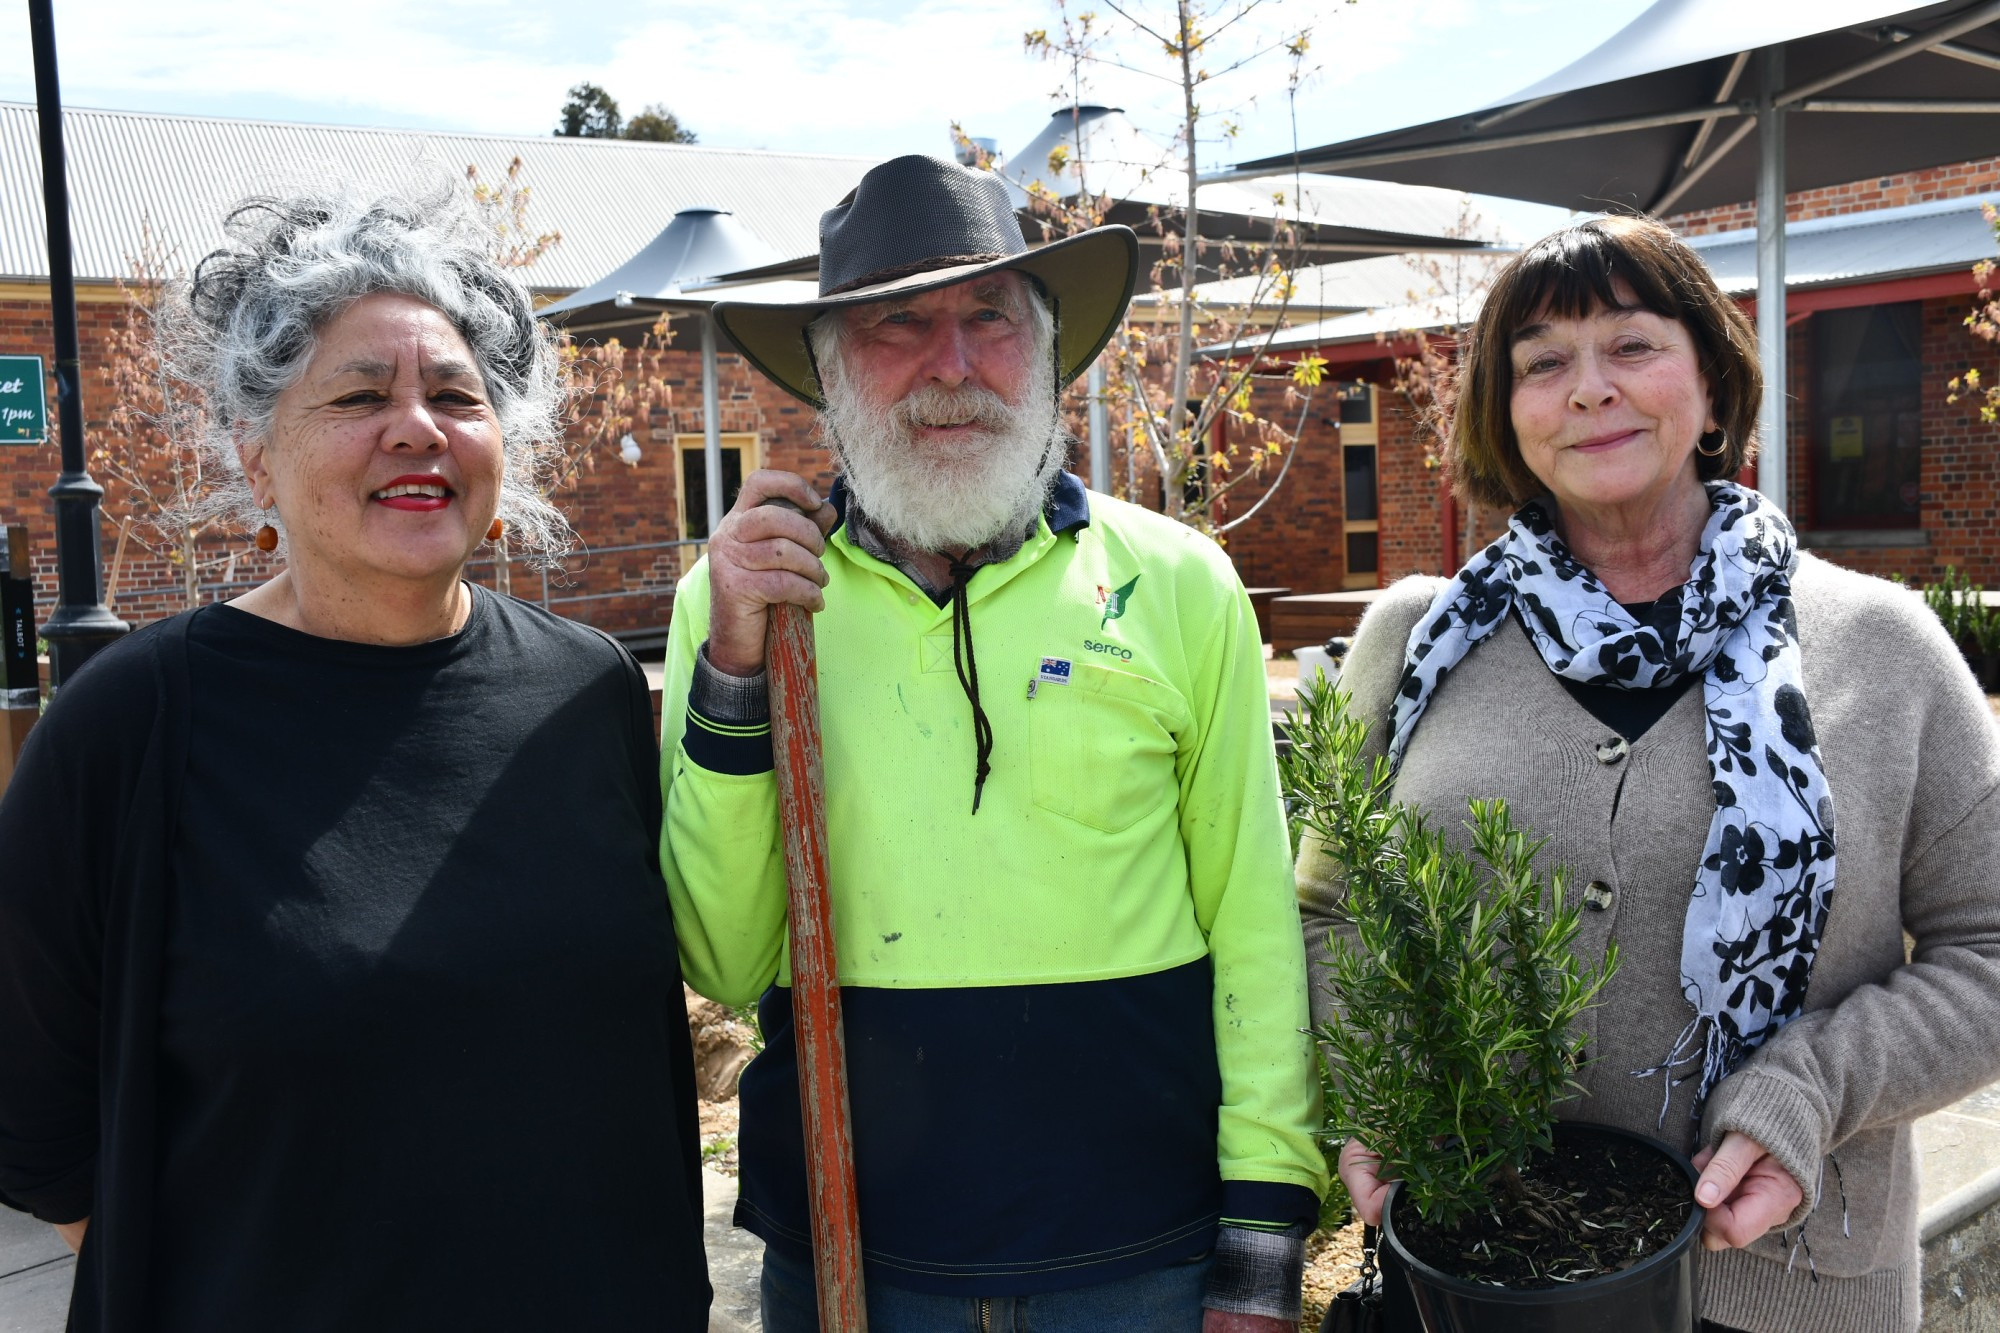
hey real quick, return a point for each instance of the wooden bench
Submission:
(1314, 617)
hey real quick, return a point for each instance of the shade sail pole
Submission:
(1100, 431)
(1773, 460)
(711, 426)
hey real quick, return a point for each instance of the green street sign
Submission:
(24, 404)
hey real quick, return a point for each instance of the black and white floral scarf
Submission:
(1760, 897)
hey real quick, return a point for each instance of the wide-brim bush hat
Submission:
(918, 223)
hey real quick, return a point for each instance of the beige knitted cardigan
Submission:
(1913, 758)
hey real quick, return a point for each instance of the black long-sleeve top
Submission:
(338, 984)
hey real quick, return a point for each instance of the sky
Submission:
(869, 77)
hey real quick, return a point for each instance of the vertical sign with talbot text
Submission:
(24, 403)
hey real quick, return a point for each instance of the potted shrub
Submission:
(1459, 992)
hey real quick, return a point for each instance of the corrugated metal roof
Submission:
(180, 174)
(1110, 155)
(1363, 284)
(1422, 209)
(1858, 247)
(1937, 237)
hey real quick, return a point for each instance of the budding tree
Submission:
(154, 481)
(1984, 321)
(152, 485)
(1444, 298)
(609, 388)
(1189, 415)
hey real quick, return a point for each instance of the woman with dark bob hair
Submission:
(1766, 769)
(337, 982)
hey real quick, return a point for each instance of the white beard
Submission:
(943, 497)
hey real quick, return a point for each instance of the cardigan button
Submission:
(1597, 895)
(1613, 750)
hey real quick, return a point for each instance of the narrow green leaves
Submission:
(1458, 983)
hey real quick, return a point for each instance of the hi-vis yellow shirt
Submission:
(1130, 829)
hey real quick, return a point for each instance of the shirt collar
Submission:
(1067, 510)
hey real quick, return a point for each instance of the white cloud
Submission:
(871, 77)
(816, 74)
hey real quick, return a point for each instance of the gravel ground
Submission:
(718, 1135)
(1333, 1262)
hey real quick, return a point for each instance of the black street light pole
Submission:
(81, 623)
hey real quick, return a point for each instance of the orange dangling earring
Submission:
(496, 530)
(267, 538)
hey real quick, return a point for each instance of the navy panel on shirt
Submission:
(1008, 1139)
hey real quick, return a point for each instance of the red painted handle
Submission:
(822, 1049)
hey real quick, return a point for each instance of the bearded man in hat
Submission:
(1063, 911)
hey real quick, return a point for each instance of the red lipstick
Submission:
(422, 493)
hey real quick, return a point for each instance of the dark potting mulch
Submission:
(1595, 1206)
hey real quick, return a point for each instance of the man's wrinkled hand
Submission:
(761, 556)
(1745, 1191)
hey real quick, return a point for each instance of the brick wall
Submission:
(1959, 482)
(1954, 181)
(1295, 541)
(1288, 543)
(1412, 494)
(1961, 458)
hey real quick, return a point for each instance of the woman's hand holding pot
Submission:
(1368, 1190)
(1744, 1189)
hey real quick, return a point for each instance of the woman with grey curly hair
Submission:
(341, 984)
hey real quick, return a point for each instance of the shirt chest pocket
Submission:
(1101, 748)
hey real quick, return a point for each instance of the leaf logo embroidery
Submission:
(1115, 601)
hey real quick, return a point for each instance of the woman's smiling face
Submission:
(1607, 407)
(385, 458)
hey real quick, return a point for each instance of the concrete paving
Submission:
(735, 1258)
(1960, 1165)
(36, 1268)
(1959, 1149)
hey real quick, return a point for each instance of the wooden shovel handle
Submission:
(822, 1048)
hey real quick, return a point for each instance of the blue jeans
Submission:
(1166, 1300)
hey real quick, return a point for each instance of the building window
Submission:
(1360, 499)
(740, 454)
(1867, 410)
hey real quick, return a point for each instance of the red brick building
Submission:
(1362, 501)
(607, 198)
(1886, 475)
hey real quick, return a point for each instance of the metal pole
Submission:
(1773, 452)
(81, 623)
(711, 426)
(1100, 431)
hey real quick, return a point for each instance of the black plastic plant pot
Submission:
(1655, 1295)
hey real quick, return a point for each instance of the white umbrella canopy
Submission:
(700, 248)
(1104, 153)
(1659, 116)
(700, 245)
(1697, 103)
